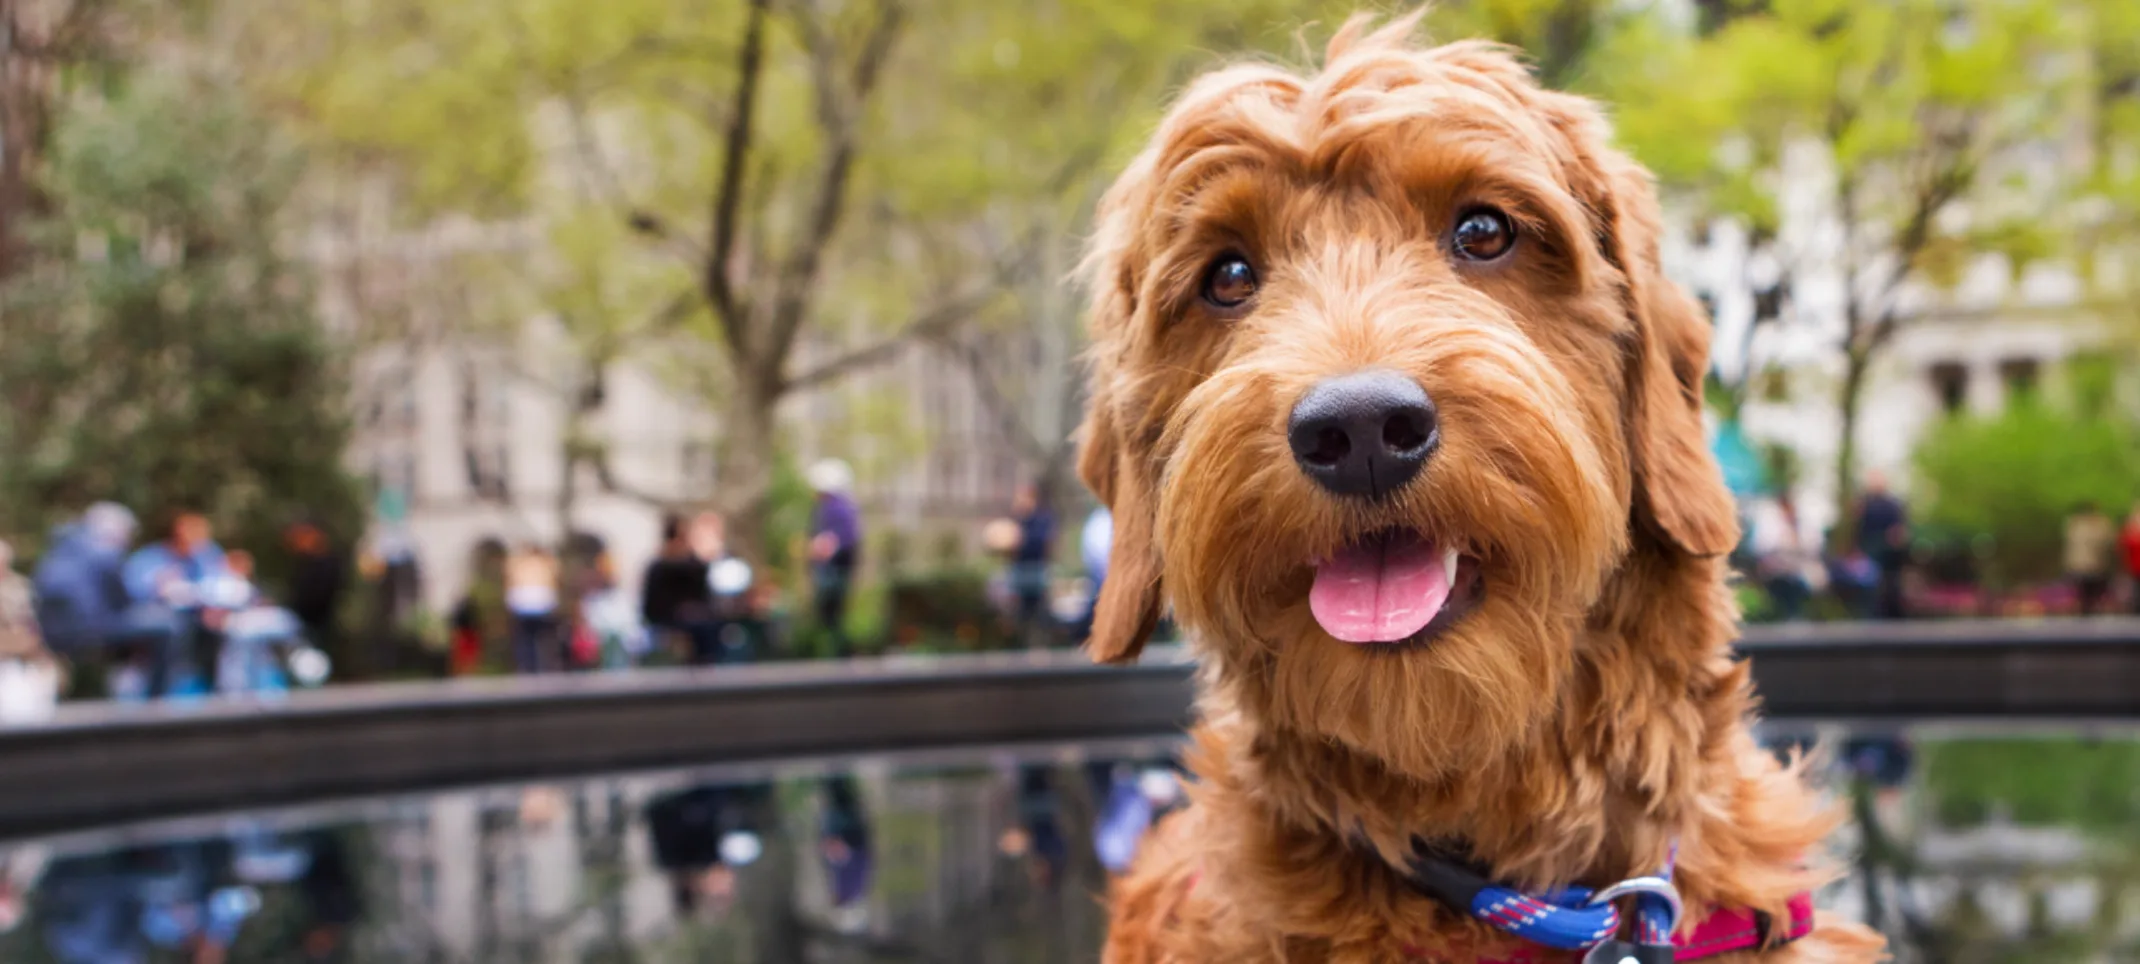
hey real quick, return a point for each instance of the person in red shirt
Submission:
(2129, 543)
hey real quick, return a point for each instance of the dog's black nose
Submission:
(1365, 434)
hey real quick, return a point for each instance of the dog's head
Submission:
(1387, 386)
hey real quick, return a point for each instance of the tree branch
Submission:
(735, 155)
(838, 113)
(993, 398)
(674, 312)
(1933, 197)
(929, 324)
(606, 477)
(934, 323)
(604, 183)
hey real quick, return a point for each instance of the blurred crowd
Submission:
(115, 609)
(1884, 567)
(187, 899)
(170, 616)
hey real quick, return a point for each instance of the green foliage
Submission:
(1914, 136)
(946, 609)
(607, 124)
(2016, 476)
(166, 353)
(1892, 94)
(2086, 784)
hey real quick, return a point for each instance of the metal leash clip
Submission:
(1616, 951)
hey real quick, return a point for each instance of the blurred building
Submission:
(467, 426)
(1969, 348)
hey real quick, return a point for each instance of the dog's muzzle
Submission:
(1363, 435)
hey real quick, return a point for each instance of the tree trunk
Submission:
(745, 468)
(25, 88)
(1855, 363)
(567, 487)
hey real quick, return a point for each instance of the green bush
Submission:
(166, 352)
(945, 609)
(2079, 783)
(2017, 476)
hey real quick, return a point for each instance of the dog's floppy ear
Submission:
(1113, 463)
(1679, 490)
(1128, 608)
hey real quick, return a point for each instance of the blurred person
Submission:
(1786, 566)
(1854, 580)
(835, 548)
(1029, 563)
(30, 677)
(845, 845)
(741, 624)
(612, 635)
(20, 867)
(480, 621)
(238, 666)
(2129, 542)
(332, 888)
(170, 616)
(1038, 838)
(2091, 540)
(464, 652)
(318, 577)
(701, 835)
(253, 628)
(1883, 534)
(81, 598)
(1133, 796)
(189, 905)
(675, 592)
(531, 599)
(1095, 541)
(89, 909)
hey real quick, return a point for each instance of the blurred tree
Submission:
(41, 43)
(2108, 235)
(163, 352)
(754, 118)
(793, 190)
(1909, 138)
(2016, 476)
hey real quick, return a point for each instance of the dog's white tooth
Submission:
(1449, 564)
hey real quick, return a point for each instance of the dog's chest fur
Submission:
(1254, 870)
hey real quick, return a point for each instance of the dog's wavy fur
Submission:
(1587, 713)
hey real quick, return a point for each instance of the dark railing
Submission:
(99, 764)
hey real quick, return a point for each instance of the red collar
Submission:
(1725, 930)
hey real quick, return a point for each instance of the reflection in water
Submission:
(1980, 854)
(990, 859)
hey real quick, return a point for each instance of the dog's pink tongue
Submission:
(1380, 590)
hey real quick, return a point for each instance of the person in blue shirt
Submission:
(81, 599)
(1029, 562)
(1094, 544)
(1883, 534)
(171, 613)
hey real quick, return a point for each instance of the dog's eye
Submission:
(1482, 234)
(1230, 282)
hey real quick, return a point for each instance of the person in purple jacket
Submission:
(835, 548)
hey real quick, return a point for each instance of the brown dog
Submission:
(1394, 406)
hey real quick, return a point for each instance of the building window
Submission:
(1950, 382)
(2019, 375)
(489, 470)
